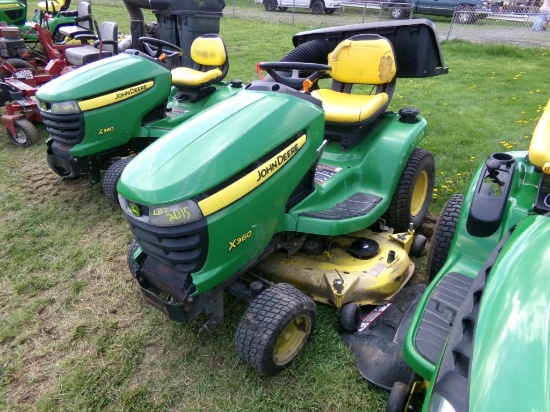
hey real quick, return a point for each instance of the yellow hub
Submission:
(292, 339)
(419, 193)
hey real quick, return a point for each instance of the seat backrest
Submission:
(209, 52)
(108, 37)
(84, 15)
(362, 59)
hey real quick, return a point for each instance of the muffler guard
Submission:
(378, 344)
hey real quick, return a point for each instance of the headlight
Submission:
(439, 404)
(171, 215)
(68, 107)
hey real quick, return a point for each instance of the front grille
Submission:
(183, 247)
(64, 128)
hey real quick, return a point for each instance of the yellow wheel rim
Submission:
(419, 194)
(292, 339)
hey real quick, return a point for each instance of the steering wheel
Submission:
(296, 68)
(156, 48)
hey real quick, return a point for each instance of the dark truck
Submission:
(466, 10)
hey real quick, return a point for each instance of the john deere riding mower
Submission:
(283, 167)
(482, 326)
(100, 114)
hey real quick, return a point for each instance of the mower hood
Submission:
(219, 146)
(512, 337)
(103, 76)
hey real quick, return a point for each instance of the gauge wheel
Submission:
(275, 328)
(313, 245)
(397, 400)
(270, 5)
(351, 317)
(414, 192)
(25, 133)
(111, 177)
(443, 235)
(132, 265)
(318, 7)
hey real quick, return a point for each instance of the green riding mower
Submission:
(101, 114)
(482, 326)
(287, 191)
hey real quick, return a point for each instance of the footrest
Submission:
(354, 206)
(440, 313)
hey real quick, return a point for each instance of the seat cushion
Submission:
(79, 56)
(184, 76)
(349, 108)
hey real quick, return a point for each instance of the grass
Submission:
(74, 333)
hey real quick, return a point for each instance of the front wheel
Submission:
(317, 7)
(25, 133)
(399, 13)
(111, 177)
(275, 327)
(270, 5)
(443, 235)
(414, 192)
(132, 265)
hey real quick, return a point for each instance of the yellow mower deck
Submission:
(335, 277)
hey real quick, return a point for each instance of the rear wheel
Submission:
(317, 7)
(111, 177)
(16, 64)
(398, 13)
(270, 5)
(414, 192)
(443, 235)
(55, 168)
(25, 133)
(275, 327)
(465, 15)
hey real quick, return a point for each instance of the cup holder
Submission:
(504, 158)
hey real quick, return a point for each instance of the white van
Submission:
(316, 6)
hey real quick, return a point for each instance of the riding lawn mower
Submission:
(479, 338)
(288, 191)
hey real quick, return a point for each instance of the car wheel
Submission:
(275, 328)
(270, 5)
(25, 133)
(414, 192)
(351, 317)
(465, 15)
(110, 179)
(443, 235)
(397, 13)
(317, 7)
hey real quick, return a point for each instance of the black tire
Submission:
(270, 5)
(58, 37)
(111, 177)
(16, 64)
(414, 192)
(443, 235)
(25, 133)
(418, 245)
(55, 168)
(274, 328)
(398, 398)
(330, 11)
(317, 7)
(283, 9)
(351, 317)
(132, 265)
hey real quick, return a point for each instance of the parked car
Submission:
(316, 6)
(463, 10)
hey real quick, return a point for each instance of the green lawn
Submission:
(74, 333)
